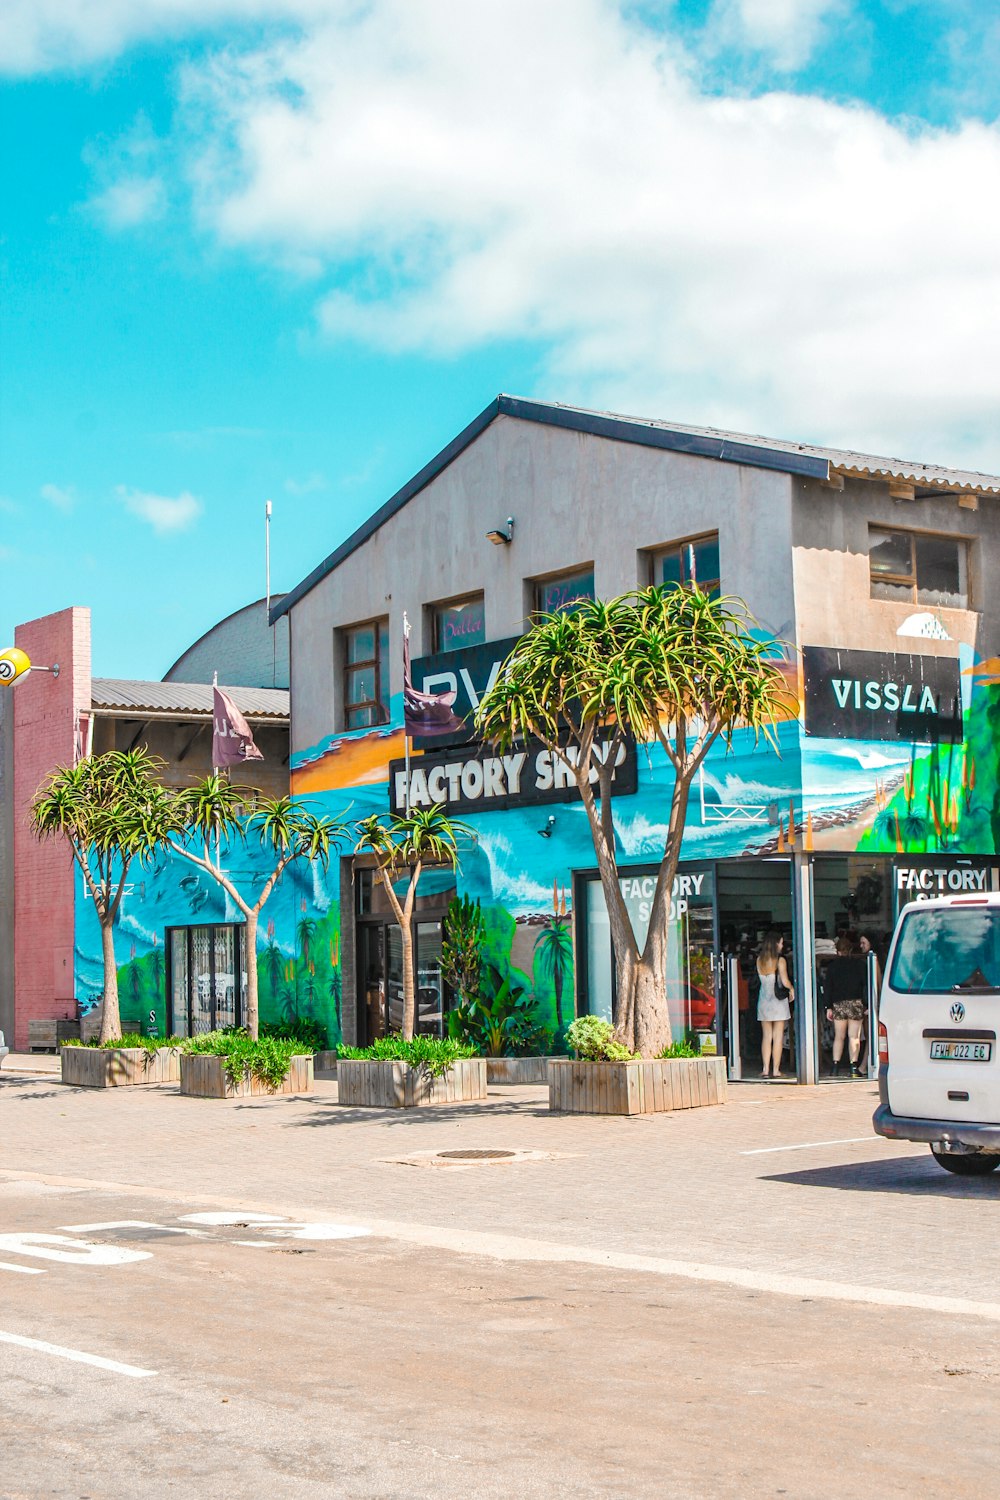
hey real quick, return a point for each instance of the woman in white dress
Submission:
(772, 1013)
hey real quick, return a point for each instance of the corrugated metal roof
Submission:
(703, 442)
(181, 698)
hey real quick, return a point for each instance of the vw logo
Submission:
(958, 1011)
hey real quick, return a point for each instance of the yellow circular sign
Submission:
(14, 663)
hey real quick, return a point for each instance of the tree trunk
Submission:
(644, 1017)
(253, 1006)
(111, 1021)
(557, 984)
(409, 997)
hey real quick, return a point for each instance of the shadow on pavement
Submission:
(917, 1176)
(496, 1109)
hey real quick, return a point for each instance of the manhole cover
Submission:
(474, 1155)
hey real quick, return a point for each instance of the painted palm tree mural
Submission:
(554, 952)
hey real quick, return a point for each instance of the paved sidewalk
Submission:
(756, 1300)
(780, 1180)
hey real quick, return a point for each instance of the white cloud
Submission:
(63, 497)
(773, 263)
(130, 201)
(39, 35)
(787, 30)
(307, 486)
(165, 513)
(776, 263)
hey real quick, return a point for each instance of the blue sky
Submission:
(288, 248)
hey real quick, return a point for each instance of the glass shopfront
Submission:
(206, 978)
(835, 939)
(380, 956)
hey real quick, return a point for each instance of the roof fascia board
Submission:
(593, 423)
(647, 436)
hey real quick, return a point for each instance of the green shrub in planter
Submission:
(131, 1039)
(433, 1053)
(680, 1049)
(268, 1060)
(593, 1040)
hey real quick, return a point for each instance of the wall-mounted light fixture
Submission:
(501, 537)
(550, 823)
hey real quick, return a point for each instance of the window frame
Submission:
(670, 549)
(911, 581)
(435, 611)
(378, 704)
(565, 575)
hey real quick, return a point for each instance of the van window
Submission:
(945, 950)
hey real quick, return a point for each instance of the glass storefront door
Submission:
(207, 978)
(380, 979)
(754, 898)
(691, 966)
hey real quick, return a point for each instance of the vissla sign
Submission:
(876, 695)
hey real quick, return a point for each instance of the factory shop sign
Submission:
(480, 780)
(927, 879)
(880, 695)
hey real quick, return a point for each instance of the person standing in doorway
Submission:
(773, 1009)
(845, 986)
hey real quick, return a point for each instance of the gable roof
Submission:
(702, 442)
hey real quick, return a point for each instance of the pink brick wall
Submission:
(46, 717)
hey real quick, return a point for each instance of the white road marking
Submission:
(315, 1231)
(848, 1140)
(132, 1224)
(77, 1355)
(6, 1265)
(221, 1220)
(76, 1252)
(511, 1248)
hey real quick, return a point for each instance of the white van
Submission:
(939, 1069)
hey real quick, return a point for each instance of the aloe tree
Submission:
(109, 809)
(670, 666)
(212, 816)
(401, 846)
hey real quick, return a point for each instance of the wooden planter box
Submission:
(204, 1077)
(117, 1067)
(398, 1085)
(636, 1088)
(517, 1069)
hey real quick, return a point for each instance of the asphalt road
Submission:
(254, 1306)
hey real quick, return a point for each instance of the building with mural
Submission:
(873, 574)
(173, 924)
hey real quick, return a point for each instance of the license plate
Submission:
(962, 1051)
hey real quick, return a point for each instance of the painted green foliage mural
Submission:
(306, 986)
(949, 798)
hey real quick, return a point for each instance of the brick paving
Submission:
(679, 1186)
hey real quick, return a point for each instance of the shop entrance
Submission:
(754, 897)
(852, 926)
(206, 978)
(380, 957)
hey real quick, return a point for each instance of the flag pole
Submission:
(406, 732)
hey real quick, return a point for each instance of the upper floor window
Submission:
(919, 569)
(554, 595)
(694, 562)
(461, 623)
(366, 674)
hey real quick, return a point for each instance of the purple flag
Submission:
(232, 742)
(425, 714)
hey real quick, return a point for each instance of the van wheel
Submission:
(980, 1164)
